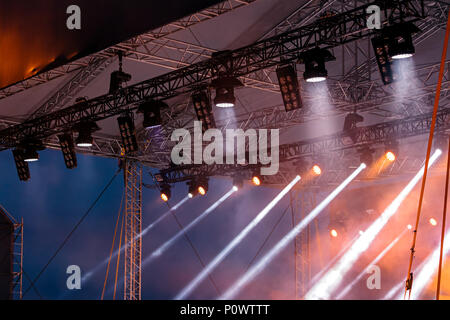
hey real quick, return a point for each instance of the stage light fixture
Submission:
(334, 233)
(23, 171)
(127, 133)
(68, 150)
(256, 179)
(192, 189)
(366, 156)
(85, 130)
(202, 186)
(394, 42)
(225, 91)
(391, 150)
(238, 181)
(433, 222)
(317, 170)
(350, 125)
(401, 42)
(203, 109)
(165, 192)
(118, 78)
(151, 110)
(314, 61)
(30, 148)
(289, 87)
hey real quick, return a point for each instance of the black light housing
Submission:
(85, 130)
(350, 125)
(225, 91)
(127, 133)
(400, 40)
(117, 79)
(314, 61)
(289, 87)
(30, 148)
(68, 150)
(192, 189)
(366, 156)
(151, 110)
(203, 110)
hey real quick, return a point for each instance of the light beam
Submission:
(191, 225)
(374, 262)
(89, 274)
(278, 248)
(333, 278)
(238, 239)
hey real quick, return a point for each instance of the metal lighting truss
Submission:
(333, 31)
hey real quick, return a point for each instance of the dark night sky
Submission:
(55, 198)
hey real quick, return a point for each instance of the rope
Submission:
(70, 234)
(268, 237)
(409, 281)
(118, 258)
(444, 216)
(112, 247)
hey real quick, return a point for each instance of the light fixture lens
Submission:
(225, 105)
(316, 79)
(164, 197)
(317, 170)
(202, 191)
(402, 56)
(433, 222)
(256, 181)
(334, 233)
(235, 188)
(390, 156)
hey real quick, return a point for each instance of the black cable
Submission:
(71, 232)
(268, 237)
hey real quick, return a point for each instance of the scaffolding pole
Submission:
(133, 229)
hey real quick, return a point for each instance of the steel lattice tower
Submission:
(133, 229)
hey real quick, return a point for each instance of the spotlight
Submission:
(401, 41)
(203, 109)
(203, 187)
(409, 227)
(256, 179)
(165, 192)
(68, 150)
(350, 125)
(30, 149)
(395, 42)
(391, 151)
(30, 154)
(192, 189)
(366, 156)
(290, 88)
(128, 134)
(85, 130)
(314, 61)
(225, 91)
(23, 171)
(152, 113)
(390, 156)
(334, 233)
(238, 181)
(317, 170)
(433, 222)
(118, 78)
